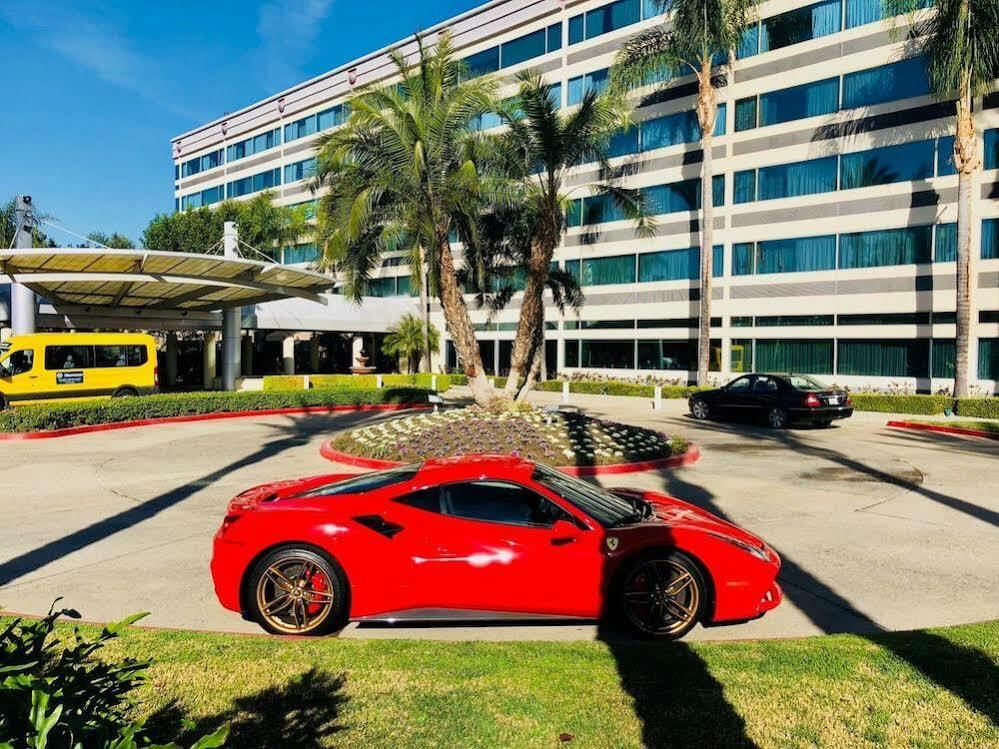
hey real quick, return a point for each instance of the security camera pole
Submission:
(22, 299)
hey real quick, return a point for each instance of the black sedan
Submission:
(780, 398)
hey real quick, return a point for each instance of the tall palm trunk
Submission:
(707, 110)
(460, 325)
(424, 360)
(532, 314)
(966, 161)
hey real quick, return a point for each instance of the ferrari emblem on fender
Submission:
(612, 542)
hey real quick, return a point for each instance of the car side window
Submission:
(739, 386)
(765, 385)
(18, 363)
(423, 499)
(68, 357)
(500, 502)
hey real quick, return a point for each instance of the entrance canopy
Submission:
(140, 280)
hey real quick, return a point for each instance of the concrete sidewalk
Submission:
(877, 528)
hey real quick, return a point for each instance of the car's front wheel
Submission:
(663, 595)
(295, 591)
(777, 418)
(700, 410)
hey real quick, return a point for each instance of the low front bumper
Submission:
(771, 599)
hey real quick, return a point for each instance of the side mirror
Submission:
(564, 532)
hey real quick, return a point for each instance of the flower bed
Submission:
(557, 439)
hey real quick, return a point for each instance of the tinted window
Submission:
(739, 386)
(607, 509)
(499, 502)
(110, 356)
(423, 499)
(366, 482)
(137, 355)
(18, 363)
(68, 357)
(765, 385)
(801, 382)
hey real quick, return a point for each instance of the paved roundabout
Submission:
(878, 528)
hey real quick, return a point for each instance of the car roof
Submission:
(477, 465)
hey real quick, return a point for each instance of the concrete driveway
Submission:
(878, 529)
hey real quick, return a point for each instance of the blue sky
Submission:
(95, 90)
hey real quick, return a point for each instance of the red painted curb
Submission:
(692, 455)
(69, 431)
(943, 429)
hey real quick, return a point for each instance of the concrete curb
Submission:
(87, 429)
(692, 455)
(919, 426)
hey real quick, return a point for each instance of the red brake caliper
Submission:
(317, 583)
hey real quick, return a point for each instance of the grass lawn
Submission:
(983, 425)
(936, 688)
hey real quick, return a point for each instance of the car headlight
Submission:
(748, 548)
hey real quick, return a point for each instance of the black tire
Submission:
(125, 392)
(700, 410)
(320, 608)
(642, 593)
(777, 418)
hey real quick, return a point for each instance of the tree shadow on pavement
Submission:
(303, 713)
(294, 434)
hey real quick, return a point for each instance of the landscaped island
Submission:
(566, 439)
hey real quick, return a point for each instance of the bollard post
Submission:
(657, 404)
(433, 383)
(378, 381)
(565, 391)
(306, 382)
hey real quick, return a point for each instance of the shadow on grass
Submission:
(303, 713)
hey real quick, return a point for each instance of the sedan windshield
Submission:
(804, 382)
(607, 509)
(366, 482)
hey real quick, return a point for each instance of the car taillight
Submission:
(812, 400)
(849, 401)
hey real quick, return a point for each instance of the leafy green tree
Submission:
(113, 241)
(533, 157)
(405, 340)
(960, 39)
(399, 175)
(695, 37)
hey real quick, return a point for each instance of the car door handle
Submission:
(564, 540)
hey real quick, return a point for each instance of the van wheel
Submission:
(125, 393)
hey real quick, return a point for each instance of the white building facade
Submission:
(835, 198)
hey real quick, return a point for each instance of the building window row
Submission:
(644, 267)
(683, 196)
(304, 169)
(204, 197)
(197, 165)
(515, 51)
(611, 17)
(254, 183)
(252, 146)
(300, 253)
(316, 123)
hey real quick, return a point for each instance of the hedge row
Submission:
(280, 383)
(618, 387)
(61, 416)
(983, 408)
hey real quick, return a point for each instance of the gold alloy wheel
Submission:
(295, 595)
(661, 597)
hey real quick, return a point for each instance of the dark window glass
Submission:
(612, 16)
(991, 139)
(800, 25)
(945, 243)
(990, 239)
(666, 354)
(523, 48)
(882, 166)
(608, 270)
(607, 354)
(110, 356)
(671, 130)
(572, 353)
(885, 318)
(793, 255)
(945, 156)
(988, 358)
(897, 80)
(799, 102)
(745, 114)
(800, 356)
(366, 482)
(802, 178)
(423, 499)
(68, 357)
(675, 265)
(17, 363)
(500, 502)
(745, 186)
(137, 355)
(942, 355)
(784, 321)
(486, 61)
(577, 29)
(607, 509)
(741, 385)
(766, 385)
(554, 37)
(870, 249)
(880, 358)
(859, 12)
(741, 355)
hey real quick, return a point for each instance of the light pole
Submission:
(230, 317)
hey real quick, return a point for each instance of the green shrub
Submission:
(901, 403)
(458, 379)
(982, 408)
(61, 692)
(619, 387)
(60, 416)
(278, 383)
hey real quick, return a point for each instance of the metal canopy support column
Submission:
(23, 306)
(231, 318)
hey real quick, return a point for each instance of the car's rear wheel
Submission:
(700, 410)
(663, 595)
(295, 591)
(777, 418)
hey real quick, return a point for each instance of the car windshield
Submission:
(607, 509)
(804, 382)
(366, 482)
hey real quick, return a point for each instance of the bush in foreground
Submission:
(556, 439)
(65, 415)
(58, 691)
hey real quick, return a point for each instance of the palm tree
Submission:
(405, 339)
(534, 155)
(961, 45)
(399, 173)
(691, 39)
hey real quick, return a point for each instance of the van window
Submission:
(68, 357)
(17, 363)
(119, 356)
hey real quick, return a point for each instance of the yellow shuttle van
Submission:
(51, 367)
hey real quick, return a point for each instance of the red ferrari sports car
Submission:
(483, 537)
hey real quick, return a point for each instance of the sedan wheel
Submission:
(777, 418)
(297, 592)
(700, 410)
(663, 595)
